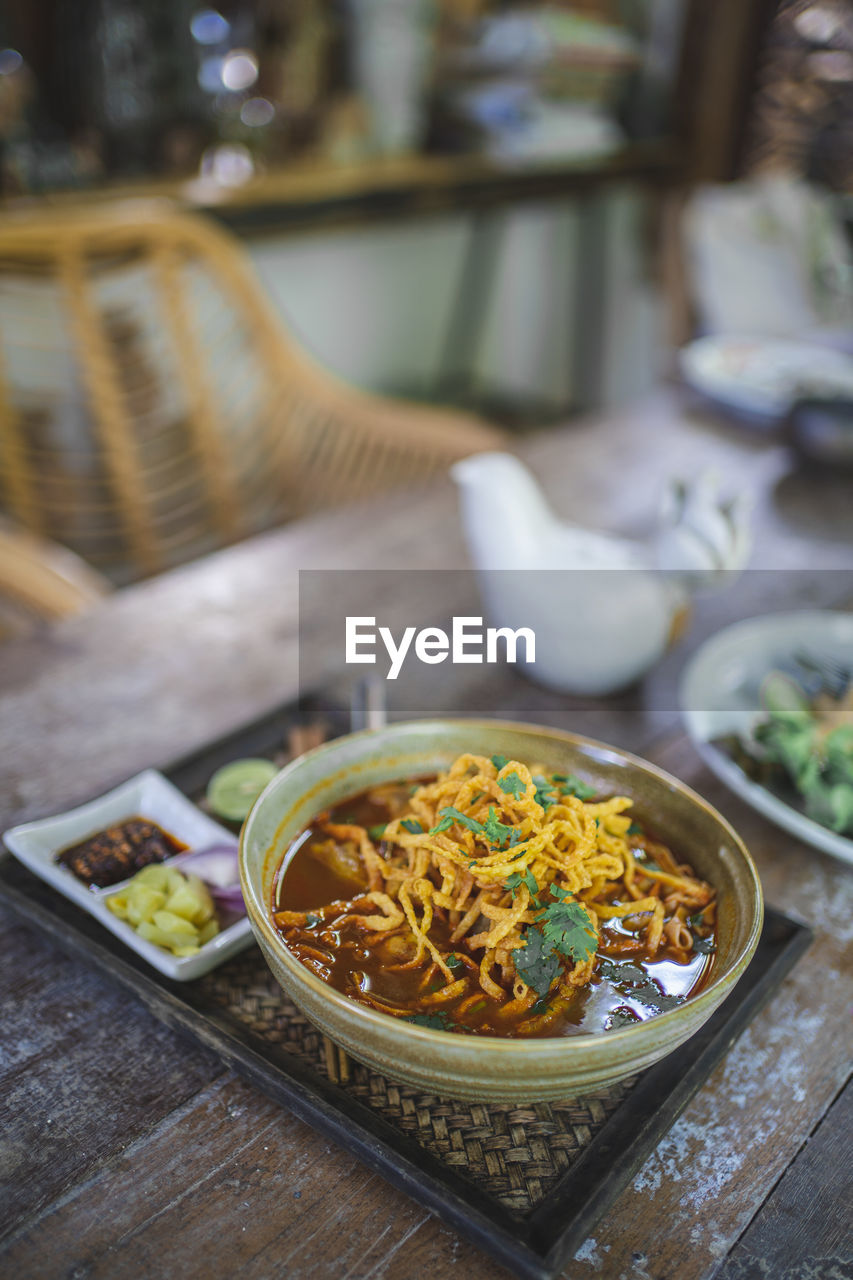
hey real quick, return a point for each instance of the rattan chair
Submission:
(41, 582)
(153, 406)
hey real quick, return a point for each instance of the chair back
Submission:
(153, 407)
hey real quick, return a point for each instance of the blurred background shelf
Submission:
(312, 195)
(486, 206)
(466, 209)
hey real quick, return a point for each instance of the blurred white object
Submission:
(530, 39)
(239, 70)
(607, 616)
(509, 39)
(557, 131)
(391, 52)
(769, 258)
(700, 534)
(521, 127)
(760, 378)
(228, 164)
(544, 84)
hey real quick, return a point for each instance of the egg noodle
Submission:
(522, 873)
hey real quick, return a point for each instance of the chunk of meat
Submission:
(343, 859)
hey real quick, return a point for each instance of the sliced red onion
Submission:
(216, 865)
(230, 899)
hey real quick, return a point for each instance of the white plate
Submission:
(719, 695)
(761, 377)
(148, 795)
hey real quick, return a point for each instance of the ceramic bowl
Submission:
(821, 430)
(479, 1067)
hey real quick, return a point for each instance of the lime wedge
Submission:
(235, 787)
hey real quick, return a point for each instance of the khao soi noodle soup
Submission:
(495, 900)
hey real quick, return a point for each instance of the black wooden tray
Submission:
(525, 1183)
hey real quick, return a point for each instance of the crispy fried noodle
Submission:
(496, 881)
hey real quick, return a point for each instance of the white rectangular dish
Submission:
(148, 795)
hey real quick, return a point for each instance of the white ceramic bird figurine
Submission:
(603, 608)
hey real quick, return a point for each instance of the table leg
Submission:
(465, 327)
(588, 336)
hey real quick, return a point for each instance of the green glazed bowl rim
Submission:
(596, 1046)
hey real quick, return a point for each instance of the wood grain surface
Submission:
(128, 1151)
(804, 1229)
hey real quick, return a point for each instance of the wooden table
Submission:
(130, 1152)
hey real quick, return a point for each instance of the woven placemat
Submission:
(514, 1153)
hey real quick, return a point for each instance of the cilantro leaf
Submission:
(513, 840)
(563, 929)
(454, 962)
(312, 919)
(545, 793)
(633, 979)
(500, 762)
(514, 882)
(518, 878)
(412, 826)
(532, 886)
(622, 1016)
(377, 832)
(496, 832)
(635, 829)
(696, 920)
(540, 1007)
(705, 946)
(568, 929)
(627, 973)
(436, 1021)
(536, 963)
(575, 786)
(456, 815)
(657, 999)
(513, 785)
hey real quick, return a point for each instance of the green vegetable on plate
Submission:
(173, 910)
